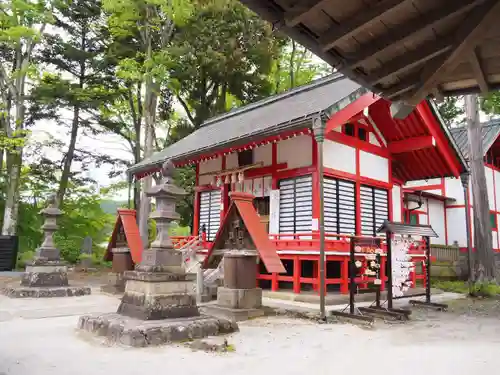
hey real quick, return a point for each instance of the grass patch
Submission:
(451, 286)
(478, 289)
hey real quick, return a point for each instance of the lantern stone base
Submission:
(45, 279)
(45, 274)
(115, 285)
(46, 291)
(158, 295)
(239, 298)
(236, 304)
(119, 329)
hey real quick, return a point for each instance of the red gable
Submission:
(242, 206)
(127, 222)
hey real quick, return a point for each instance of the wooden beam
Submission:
(394, 91)
(466, 38)
(411, 59)
(409, 30)
(400, 110)
(438, 94)
(362, 18)
(478, 71)
(295, 15)
(346, 113)
(411, 144)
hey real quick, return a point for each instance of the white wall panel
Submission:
(374, 166)
(436, 220)
(340, 157)
(455, 225)
(489, 184)
(431, 181)
(494, 239)
(212, 165)
(263, 154)
(296, 151)
(454, 189)
(396, 203)
(232, 160)
(372, 138)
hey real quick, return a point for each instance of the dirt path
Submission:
(465, 340)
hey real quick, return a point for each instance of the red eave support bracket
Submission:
(444, 147)
(411, 144)
(346, 113)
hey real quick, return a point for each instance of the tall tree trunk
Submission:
(2, 153)
(150, 101)
(484, 262)
(292, 67)
(147, 182)
(68, 160)
(11, 211)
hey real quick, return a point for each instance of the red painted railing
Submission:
(309, 242)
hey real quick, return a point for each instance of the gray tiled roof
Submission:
(490, 130)
(270, 116)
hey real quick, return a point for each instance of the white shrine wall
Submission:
(454, 209)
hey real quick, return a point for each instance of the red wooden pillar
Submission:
(274, 282)
(344, 276)
(297, 270)
(382, 273)
(196, 216)
(196, 205)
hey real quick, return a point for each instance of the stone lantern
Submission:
(159, 304)
(47, 275)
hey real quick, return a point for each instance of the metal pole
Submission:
(465, 183)
(389, 269)
(319, 135)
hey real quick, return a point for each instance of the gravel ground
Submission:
(38, 337)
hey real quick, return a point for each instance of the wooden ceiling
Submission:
(405, 50)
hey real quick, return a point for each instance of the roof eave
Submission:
(290, 125)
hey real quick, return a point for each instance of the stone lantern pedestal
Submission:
(239, 298)
(46, 275)
(159, 305)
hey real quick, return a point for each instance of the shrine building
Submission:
(375, 168)
(441, 201)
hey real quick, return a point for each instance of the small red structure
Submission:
(126, 225)
(242, 207)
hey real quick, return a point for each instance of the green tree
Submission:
(150, 25)
(295, 66)
(22, 24)
(74, 48)
(221, 57)
(451, 110)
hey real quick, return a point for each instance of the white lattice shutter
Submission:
(296, 205)
(210, 203)
(374, 209)
(339, 206)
